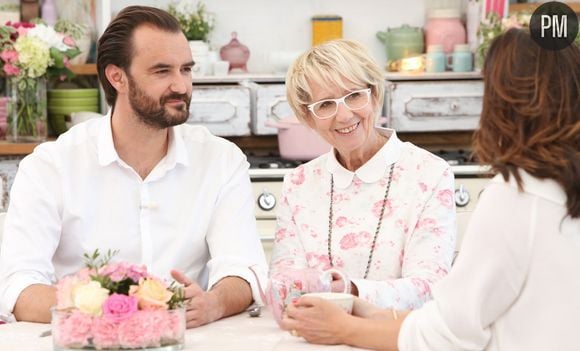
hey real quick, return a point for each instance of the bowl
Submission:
(92, 100)
(69, 93)
(72, 108)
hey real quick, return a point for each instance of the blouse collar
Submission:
(374, 169)
(548, 189)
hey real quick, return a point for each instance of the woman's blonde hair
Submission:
(334, 63)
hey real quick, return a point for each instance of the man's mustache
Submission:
(182, 97)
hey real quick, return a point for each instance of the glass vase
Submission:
(152, 330)
(27, 110)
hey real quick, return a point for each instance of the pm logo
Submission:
(554, 25)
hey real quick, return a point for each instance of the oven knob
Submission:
(461, 196)
(266, 200)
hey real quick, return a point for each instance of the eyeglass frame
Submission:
(339, 100)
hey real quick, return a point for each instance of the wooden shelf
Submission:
(15, 149)
(575, 6)
(88, 69)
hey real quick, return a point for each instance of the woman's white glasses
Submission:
(328, 108)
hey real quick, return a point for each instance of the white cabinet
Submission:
(271, 103)
(422, 106)
(223, 109)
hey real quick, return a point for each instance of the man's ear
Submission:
(116, 77)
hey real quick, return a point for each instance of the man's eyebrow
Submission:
(165, 65)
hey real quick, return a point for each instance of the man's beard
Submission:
(153, 113)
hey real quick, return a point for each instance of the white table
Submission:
(237, 333)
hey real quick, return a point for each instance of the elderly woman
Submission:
(516, 284)
(377, 209)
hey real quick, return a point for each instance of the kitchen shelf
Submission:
(394, 76)
(88, 69)
(14, 149)
(575, 6)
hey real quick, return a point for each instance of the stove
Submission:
(267, 172)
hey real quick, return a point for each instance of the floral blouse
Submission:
(415, 245)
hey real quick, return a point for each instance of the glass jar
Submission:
(160, 330)
(444, 28)
(26, 109)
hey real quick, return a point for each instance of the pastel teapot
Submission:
(400, 42)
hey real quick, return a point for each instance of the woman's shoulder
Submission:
(421, 161)
(305, 173)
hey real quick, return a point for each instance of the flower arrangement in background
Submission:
(117, 305)
(29, 53)
(29, 50)
(493, 25)
(196, 23)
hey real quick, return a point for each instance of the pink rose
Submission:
(105, 333)
(119, 307)
(69, 41)
(64, 292)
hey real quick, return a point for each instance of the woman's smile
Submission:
(348, 130)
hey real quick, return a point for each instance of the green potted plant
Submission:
(196, 23)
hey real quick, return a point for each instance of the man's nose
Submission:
(180, 84)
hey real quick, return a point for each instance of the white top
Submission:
(193, 212)
(516, 282)
(416, 242)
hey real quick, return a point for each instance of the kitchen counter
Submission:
(239, 332)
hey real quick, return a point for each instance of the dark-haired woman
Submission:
(516, 284)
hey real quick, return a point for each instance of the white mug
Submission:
(220, 68)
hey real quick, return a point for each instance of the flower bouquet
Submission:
(29, 53)
(493, 25)
(196, 23)
(117, 306)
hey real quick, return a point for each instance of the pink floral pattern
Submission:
(417, 238)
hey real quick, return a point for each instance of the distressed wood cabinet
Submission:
(223, 109)
(433, 105)
(271, 103)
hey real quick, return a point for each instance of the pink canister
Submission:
(444, 28)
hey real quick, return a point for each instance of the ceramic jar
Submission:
(444, 28)
(236, 53)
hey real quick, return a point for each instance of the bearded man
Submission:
(138, 180)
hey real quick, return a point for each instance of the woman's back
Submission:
(516, 284)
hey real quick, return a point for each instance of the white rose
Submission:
(89, 297)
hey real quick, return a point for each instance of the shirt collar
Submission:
(176, 150)
(544, 188)
(374, 169)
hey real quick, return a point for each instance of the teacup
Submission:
(342, 300)
(290, 284)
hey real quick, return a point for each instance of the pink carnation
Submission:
(73, 329)
(119, 307)
(9, 56)
(105, 333)
(11, 70)
(140, 330)
(121, 271)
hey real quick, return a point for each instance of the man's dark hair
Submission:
(115, 45)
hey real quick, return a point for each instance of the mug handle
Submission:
(328, 276)
(447, 62)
